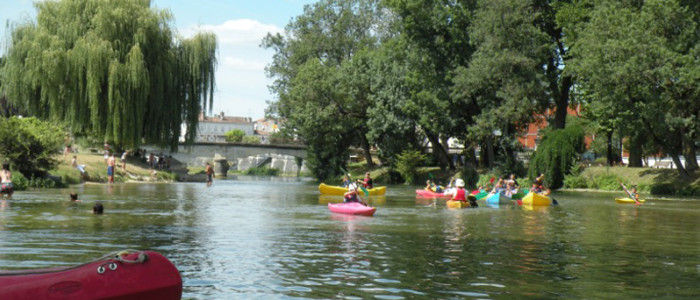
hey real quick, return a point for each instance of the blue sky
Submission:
(239, 25)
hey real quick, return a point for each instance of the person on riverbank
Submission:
(632, 194)
(74, 164)
(111, 162)
(123, 160)
(6, 186)
(368, 183)
(210, 174)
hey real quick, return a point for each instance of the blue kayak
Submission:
(498, 198)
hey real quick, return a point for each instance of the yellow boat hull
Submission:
(339, 190)
(533, 199)
(627, 200)
(457, 204)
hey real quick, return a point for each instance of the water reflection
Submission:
(265, 238)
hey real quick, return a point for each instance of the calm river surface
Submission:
(266, 238)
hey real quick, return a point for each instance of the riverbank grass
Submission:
(647, 180)
(96, 170)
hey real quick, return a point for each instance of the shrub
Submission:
(663, 189)
(607, 182)
(251, 139)
(262, 171)
(407, 163)
(19, 182)
(469, 175)
(281, 137)
(559, 151)
(30, 145)
(234, 135)
(575, 182)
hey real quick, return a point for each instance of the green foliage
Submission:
(161, 175)
(407, 163)
(575, 182)
(663, 189)
(29, 144)
(114, 70)
(470, 175)
(485, 180)
(607, 182)
(262, 171)
(559, 150)
(234, 135)
(635, 61)
(19, 182)
(281, 138)
(251, 139)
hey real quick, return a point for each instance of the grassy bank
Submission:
(96, 170)
(648, 180)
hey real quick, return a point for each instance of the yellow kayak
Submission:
(534, 199)
(339, 190)
(627, 200)
(457, 204)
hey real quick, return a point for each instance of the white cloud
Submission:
(242, 64)
(240, 76)
(239, 32)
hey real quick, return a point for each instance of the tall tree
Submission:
(437, 42)
(640, 57)
(111, 69)
(321, 83)
(559, 83)
(504, 78)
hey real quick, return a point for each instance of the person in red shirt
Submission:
(367, 182)
(460, 194)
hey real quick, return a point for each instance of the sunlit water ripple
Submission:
(263, 238)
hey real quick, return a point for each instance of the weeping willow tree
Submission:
(111, 69)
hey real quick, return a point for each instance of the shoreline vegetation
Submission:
(649, 181)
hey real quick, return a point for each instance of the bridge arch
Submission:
(289, 159)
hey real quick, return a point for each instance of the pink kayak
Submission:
(426, 193)
(352, 208)
(126, 275)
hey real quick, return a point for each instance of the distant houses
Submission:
(213, 129)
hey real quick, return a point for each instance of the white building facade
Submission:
(213, 129)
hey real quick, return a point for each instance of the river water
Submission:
(265, 238)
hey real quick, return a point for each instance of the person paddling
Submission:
(352, 195)
(633, 194)
(459, 194)
(367, 182)
(346, 181)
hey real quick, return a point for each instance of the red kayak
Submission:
(352, 208)
(124, 275)
(426, 193)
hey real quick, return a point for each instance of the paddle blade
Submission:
(365, 191)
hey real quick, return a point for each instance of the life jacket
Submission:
(459, 196)
(351, 198)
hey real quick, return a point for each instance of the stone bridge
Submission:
(289, 159)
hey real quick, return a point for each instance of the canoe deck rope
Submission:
(119, 256)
